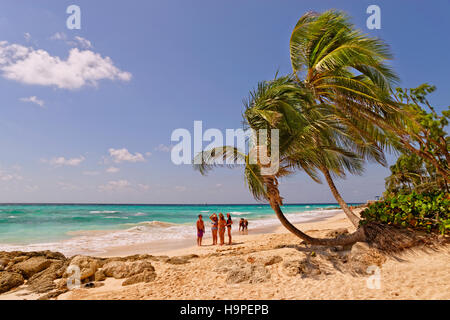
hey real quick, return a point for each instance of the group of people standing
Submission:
(218, 227)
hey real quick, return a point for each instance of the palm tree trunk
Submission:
(275, 201)
(357, 236)
(350, 215)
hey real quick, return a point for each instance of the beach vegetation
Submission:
(428, 212)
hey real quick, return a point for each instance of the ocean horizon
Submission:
(76, 228)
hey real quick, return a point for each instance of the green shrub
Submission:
(428, 212)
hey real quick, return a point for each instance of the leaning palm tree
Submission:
(348, 71)
(283, 104)
(298, 149)
(332, 147)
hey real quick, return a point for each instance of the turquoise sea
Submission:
(72, 228)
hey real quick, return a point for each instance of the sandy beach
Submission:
(276, 266)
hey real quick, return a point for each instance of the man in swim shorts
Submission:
(200, 230)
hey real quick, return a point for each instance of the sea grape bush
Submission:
(429, 212)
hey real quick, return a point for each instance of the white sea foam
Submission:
(237, 213)
(105, 211)
(96, 242)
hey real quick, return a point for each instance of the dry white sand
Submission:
(419, 274)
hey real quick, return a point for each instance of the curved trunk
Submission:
(354, 219)
(357, 236)
(275, 201)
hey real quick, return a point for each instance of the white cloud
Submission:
(143, 187)
(180, 188)
(84, 43)
(62, 161)
(78, 41)
(123, 155)
(33, 99)
(37, 67)
(163, 148)
(59, 36)
(112, 170)
(4, 176)
(91, 173)
(31, 188)
(115, 185)
(68, 186)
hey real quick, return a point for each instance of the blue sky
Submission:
(70, 133)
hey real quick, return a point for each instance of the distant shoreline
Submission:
(168, 204)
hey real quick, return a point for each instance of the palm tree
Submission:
(348, 71)
(309, 133)
(283, 104)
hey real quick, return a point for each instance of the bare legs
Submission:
(222, 237)
(229, 236)
(214, 236)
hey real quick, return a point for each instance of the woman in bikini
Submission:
(222, 225)
(229, 223)
(214, 220)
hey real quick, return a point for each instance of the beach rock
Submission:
(4, 262)
(302, 267)
(177, 260)
(272, 260)
(10, 280)
(361, 258)
(53, 294)
(19, 259)
(336, 233)
(31, 266)
(99, 275)
(147, 276)
(249, 274)
(116, 269)
(227, 264)
(121, 270)
(61, 283)
(88, 266)
(44, 281)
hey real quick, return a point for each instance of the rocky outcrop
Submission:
(88, 266)
(44, 281)
(248, 274)
(126, 269)
(361, 257)
(147, 276)
(46, 272)
(31, 266)
(10, 280)
(99, 275)
(303, 267)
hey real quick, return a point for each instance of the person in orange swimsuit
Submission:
(222, 225)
